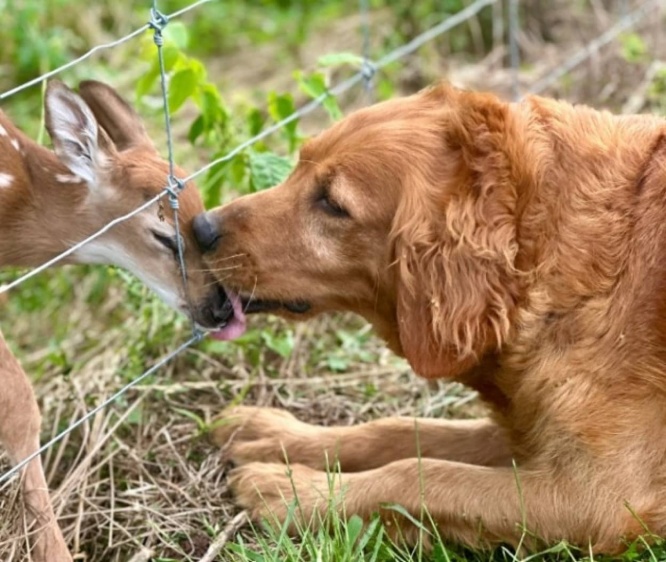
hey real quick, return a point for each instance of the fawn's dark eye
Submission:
(169, 242)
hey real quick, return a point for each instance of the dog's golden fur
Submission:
(518, 248)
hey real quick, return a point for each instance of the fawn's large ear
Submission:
(78, 141)
(455, 244)
(115, 115)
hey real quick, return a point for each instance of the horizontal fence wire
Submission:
(73, 249)
(94, 50)
(168, 357)
(447, 25)
(391, 57)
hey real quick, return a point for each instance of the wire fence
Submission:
(365, 74)
(626, 22)
(157, 22)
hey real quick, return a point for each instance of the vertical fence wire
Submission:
(498, 26)
(158, 22)
(368, 68)
(514, 52)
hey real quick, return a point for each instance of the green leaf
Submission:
(212, 191)
(282, 344)
(198, 420)
(314, 85)
(332, 108)
(217, 347)
(354, 528)
(369, 533)
(633, 47)
(238, 169)
(181, 86)
(267, 169)
(212, 188)
(212, 107)
(255, 121)
(439, 553)
(338, 364)
(402, 511)
(247, 554)
(199, 70)
(196, 129)
(281, 106)
(176, 32)
(340, 59)
(172, 57)
(146, 82)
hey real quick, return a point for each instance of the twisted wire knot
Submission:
(368, 69)
(158, 21)
(176, 185)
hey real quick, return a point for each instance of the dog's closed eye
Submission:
(327, 203)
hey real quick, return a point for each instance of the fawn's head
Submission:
(112, 168)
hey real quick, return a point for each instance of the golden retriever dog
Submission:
(519, 248)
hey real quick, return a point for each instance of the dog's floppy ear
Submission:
(455, 244)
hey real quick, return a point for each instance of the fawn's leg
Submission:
(268, 434)
(19, 433)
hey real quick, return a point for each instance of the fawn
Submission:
(103, 166)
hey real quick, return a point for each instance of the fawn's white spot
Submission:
(3, 131)
(15, 144)
(68, 178)
(6, 179)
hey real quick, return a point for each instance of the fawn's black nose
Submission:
(206, 233)
(222, 311)
(216, 311)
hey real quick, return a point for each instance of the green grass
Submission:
(338, 538)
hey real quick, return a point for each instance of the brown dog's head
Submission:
(403, 213)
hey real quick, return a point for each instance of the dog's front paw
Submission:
(306, 499)
(271, 491)
(250, 434)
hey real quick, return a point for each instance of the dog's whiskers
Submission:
(251, 296)
(223, 269)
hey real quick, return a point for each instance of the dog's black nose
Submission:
(205, 232)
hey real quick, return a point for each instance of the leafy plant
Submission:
(633, 48)
(264, 164)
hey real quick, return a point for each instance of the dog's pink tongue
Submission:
(236, 326)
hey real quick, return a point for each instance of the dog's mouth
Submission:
(237, 323)
(251, 306)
